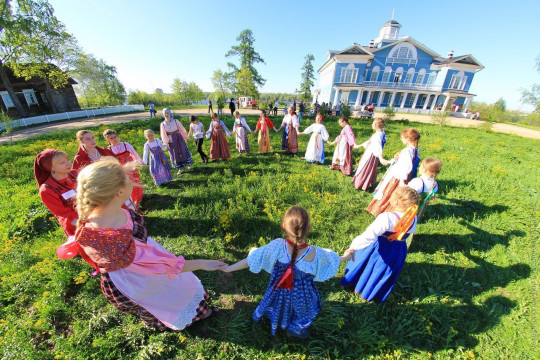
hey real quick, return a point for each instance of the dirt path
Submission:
(26, 133)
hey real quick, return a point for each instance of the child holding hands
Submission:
(380, 252)
(291, 300)
(154, 157)
(366, 172)
(138, 276)
(426, 183)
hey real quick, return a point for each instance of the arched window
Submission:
(409, 76)
(349, 74)
(421, 76)
(374, 73)
(403, 53)
(458, 81)
(387, 73)
(431, 78)
(398, 75)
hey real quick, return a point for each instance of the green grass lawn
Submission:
(468, 288)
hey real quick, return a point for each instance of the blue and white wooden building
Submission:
(396, 71)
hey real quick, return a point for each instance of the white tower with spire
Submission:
(388, 33)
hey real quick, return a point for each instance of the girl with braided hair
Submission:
(398, 173)
(379, 253)
(138, 276)
(291, 300)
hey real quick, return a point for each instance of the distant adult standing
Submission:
(301, 109)
(294, 105)
(152, 110)
(338, 108)
(276, 105)
(270, 106)
(232, 107)
(210, 110)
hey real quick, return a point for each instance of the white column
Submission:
(415, 100)
(368, 98)
(392, 99)
(403, 101)
(436, 97)
(335, 98)
(381, 95)
(466, 105)
(427, 101)
(358, 98)
(446, 102)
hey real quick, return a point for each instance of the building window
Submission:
(349, 74)
(374, 74)
(387, 73)
(458, 81)
(30, 97)
(421, 76)
(431, 77)
(409, 76)
(8, 102)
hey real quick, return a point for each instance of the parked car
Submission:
(248, 102)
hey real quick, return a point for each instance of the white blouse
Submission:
(197, 130)
(424, 184)
(242, 122)
(374, 144)
(382, 223)
(290, 119)
(403, 167)
(317, 129)
(146, 151)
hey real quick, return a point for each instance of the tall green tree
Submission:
(186, 93)
(32, 40)
(246, 75)
(308, 77)
(98, 84)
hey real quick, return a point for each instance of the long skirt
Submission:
(366, 173)
(342, 159)
(289, 141)
(219, 148)
(264, 142)
(242, 142)
(159, 167)
(379, 206)
(315, 149)
(179, 152)
(376, 268)
(128, 306)
(293, 309)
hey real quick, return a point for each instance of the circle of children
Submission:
(95, 200)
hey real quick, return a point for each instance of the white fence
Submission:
(73, 115)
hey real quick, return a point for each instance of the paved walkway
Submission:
(26, 133)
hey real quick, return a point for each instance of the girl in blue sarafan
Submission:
(292, 300)
(379, 253)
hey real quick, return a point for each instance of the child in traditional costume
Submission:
(124, 152)
(196, 129)
(154, 157)
(366, 171)
(57, 184)
(88, 151)
(397, 174)
(291, 300)
(342, 159)
(263, 125)
(380, 252)
(426, 185)
(289, 141)
(219, 147)
(174, 136)
(138, 276)
(315, 148)
(241, 130)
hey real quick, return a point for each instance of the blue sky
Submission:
(152, 42)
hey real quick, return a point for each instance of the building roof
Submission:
(409, 40)
(463, 59)
(355, 49)
(392, 22)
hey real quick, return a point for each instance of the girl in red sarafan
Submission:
(219, 148)
(57, 184)
(126, 153)
(88, 151)
(138, 276)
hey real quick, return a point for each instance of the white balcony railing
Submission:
(401, 85)
(390, 61)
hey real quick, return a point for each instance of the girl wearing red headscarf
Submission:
(88, 151)
(57, 184)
